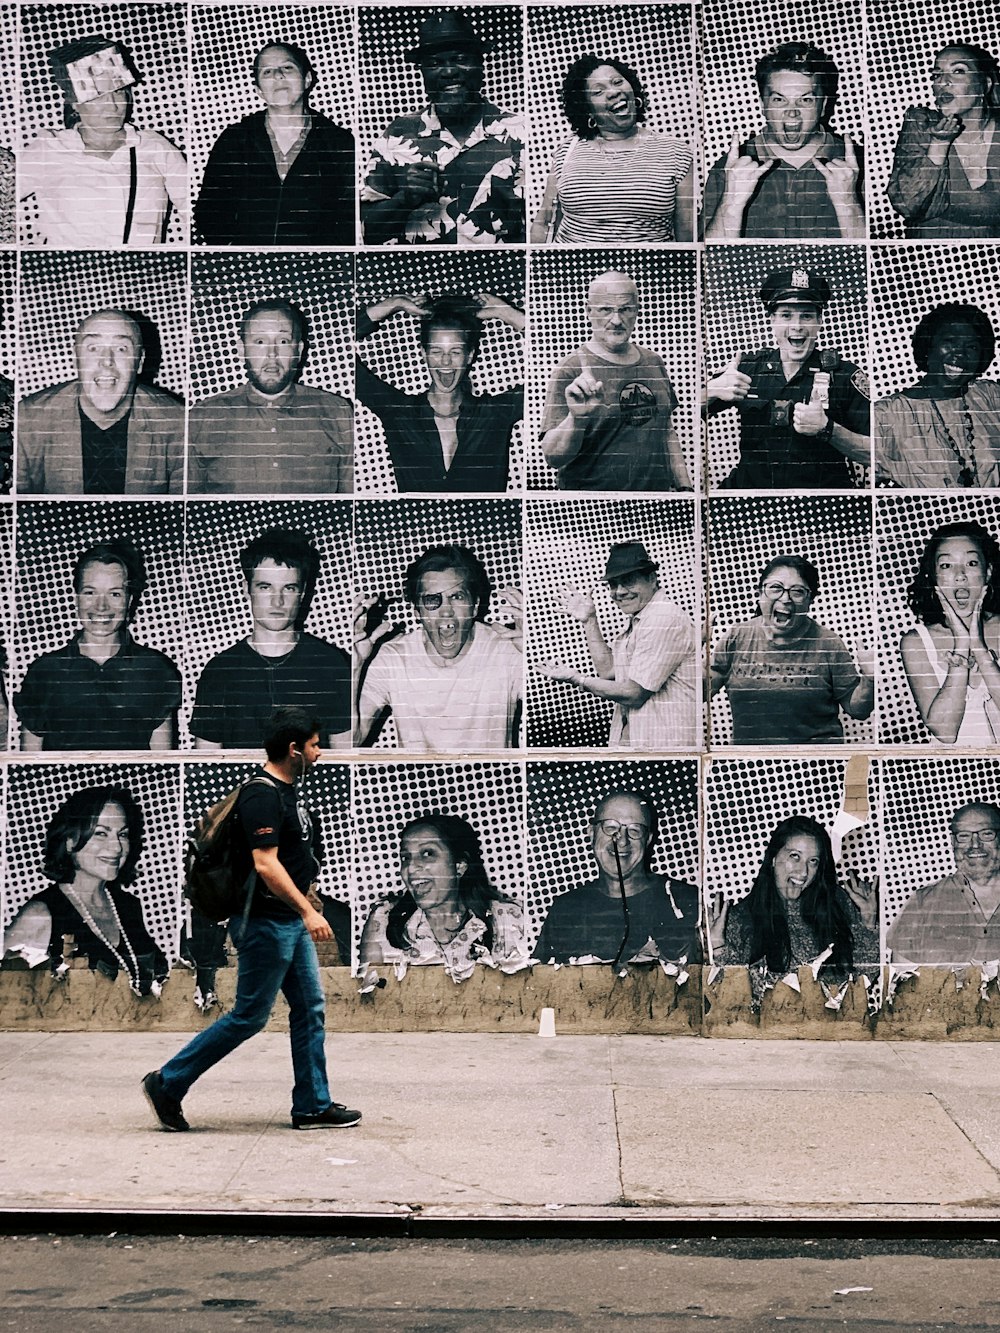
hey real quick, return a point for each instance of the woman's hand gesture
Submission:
(863, 893)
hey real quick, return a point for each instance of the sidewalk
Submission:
(479, 1126)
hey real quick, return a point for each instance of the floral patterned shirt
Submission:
(482, 200)
(459, 956)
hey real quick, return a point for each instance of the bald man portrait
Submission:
(103, 433)
(608, 422)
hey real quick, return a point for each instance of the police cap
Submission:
(799, 285)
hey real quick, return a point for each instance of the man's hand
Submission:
(584, 396)
(742, 176)
(556, 671)
(809, 418)
(418, 183)
(732, 386)
(841, 176)
(515, 612)
(579, 605)
(370, 627)
(413, 303)
(317, 926)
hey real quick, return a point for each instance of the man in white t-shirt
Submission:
(454, 684)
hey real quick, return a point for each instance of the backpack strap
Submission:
(251, 880)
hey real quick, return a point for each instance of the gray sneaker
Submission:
(167, 1109)
(336, 1116)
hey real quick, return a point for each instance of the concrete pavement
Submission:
(487, 1126)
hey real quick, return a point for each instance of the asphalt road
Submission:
(84, 1284)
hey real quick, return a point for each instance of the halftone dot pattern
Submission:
(735, 34)
(746, 798)
(6, 605)
(50, 539)
(734, 319)
(667, 325)
(326, 791)
(390, 87)
(8, 312)
(903, 525)
(389, 535)
(393, 352)
(654, 40)
(834, 532)
(218, 608)
(567, 544)
(919, 798)
(904, 36)
(225, 38)
(155, 37)
(490, 796)
(61, 288)
(909, 280)
(223, 286)
(10, 129)
(36, 791)
(562, 797)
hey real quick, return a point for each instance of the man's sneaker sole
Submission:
(168, 1116)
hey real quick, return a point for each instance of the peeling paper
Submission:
(835, 995)
(204, 1002)
(846, 1291)
(990, 972)
(898, 972)
(791, 980)
(715, 971)
(819, 960)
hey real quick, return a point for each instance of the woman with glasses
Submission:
(786, 676)
(447, 438)
(950, 655)
(796, 910)
(946, 168)
(447, 912)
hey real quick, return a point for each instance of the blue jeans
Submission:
(273, 955)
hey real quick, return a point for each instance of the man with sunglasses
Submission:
(650, 672)
(956, 920)
(453, 684)
(588, 923)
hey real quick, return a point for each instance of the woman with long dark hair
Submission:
(448, 911)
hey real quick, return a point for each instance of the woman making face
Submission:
(786, 676)
(92, 845)
(615, 182)
(950, 655)
(946, 168)
(448, 911)
(945, 429)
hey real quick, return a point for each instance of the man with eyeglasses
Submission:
(588, 924)
(453, 684)
(805, 414)
(796, 177)
(956, 920)
(650, 672)
(272, 435)
(608, 420)
(450, 173)
(446, 439)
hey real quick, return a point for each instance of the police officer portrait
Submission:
(268, 570)
(613, 371)
(102, 375)
(799, 406)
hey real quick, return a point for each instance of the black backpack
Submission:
(214, 858)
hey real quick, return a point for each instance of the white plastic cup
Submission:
(547, 1023)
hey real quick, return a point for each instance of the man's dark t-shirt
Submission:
(272, 815)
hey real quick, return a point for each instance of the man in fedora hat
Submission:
(450, 173)
(803, 413)
(650, 671)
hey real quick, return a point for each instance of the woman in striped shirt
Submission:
(615, 182)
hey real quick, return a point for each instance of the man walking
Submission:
(275, 945)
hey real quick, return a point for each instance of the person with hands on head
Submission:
(805, 413)
(450, 173)
(275, 941)
(796, 178)
(946, 166)
(447, 438)
(608, 419)
(950, 655)
(650, 672)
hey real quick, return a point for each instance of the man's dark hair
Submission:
(72, 826)
(288, 726)
(299, 57)
(284, 546)
(119, 551)
(451, 311)
(801, 58)
(439, 558)
(954, 312)
(278, 305)
(573, 95)
(922, 597)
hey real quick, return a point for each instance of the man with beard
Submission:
(609, 405)
(103, 433)
(956, 919)
(448, 174)
(272, 435)
(803, 412)
(278, 664)
(590, 922)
